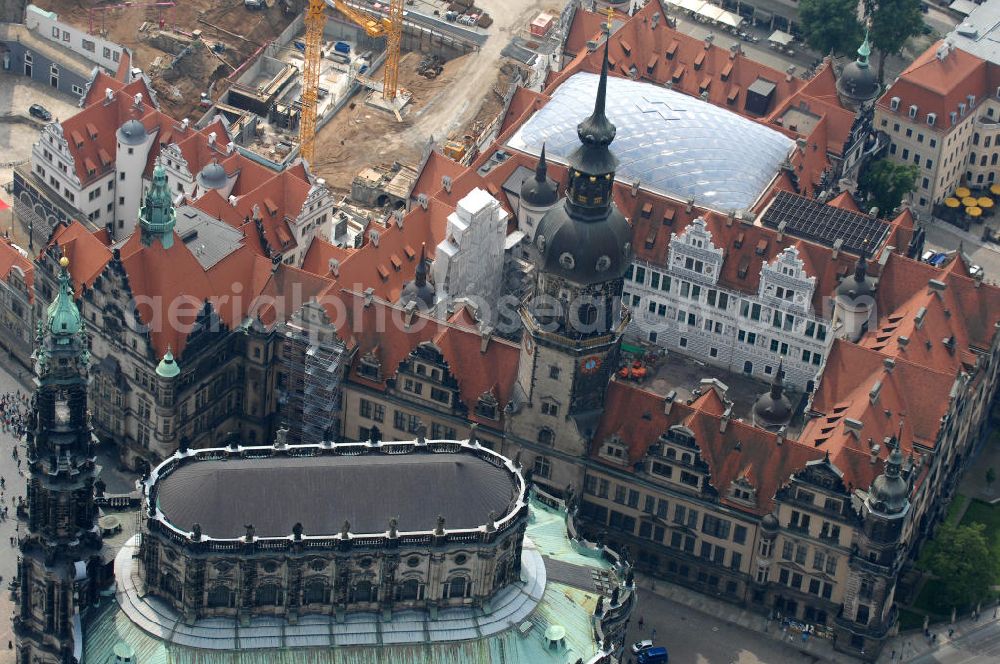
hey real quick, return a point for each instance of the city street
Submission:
(692, 637)
(945, 237)
(978, 645)
(14, 487)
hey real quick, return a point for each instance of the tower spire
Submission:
(861, 267)
(864, 50)
(597, 129)
(777, 383)
(542, 168)
(420, 276)
(157, 216)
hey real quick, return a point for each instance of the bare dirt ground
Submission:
(242, 32)
(445, 107)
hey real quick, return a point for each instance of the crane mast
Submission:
(390, 27)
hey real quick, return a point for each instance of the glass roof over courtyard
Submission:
(672, 143)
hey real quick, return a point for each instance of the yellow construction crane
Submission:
(390, 27)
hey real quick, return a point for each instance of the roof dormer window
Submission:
(894, 104)
(913, 111)
(931, 119)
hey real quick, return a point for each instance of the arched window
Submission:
(457, 587)
(268, 595)
(315, 592)
(410, 590)
(363, 591)
(220, 597)
(546, 436)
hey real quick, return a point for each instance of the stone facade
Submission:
(59, 570)
(330, 573)
(682, 307)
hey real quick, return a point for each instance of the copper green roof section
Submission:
(63, 316)
(157, 216)
(566, 608)
(167, 368)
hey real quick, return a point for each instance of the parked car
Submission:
(935, 258)
(40, 112)
(640, 646)
(976, 271)
(657, 655)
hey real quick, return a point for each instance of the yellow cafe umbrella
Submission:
(973, 211)
(995, 189)
(985, 202)
(969, 201)
(952, 202)
(962, 192)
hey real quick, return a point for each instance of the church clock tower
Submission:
(60, 552)
(574, 323)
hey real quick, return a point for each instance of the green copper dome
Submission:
(168, 368)
(157, 216)
(63, 316)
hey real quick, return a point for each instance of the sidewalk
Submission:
(821, 649)
(910, 646)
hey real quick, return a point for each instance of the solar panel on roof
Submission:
(812, 220)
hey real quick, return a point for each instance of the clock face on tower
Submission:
(590, 365)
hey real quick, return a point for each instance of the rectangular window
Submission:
(661, 508)
(633, 498)
(740, 534)
(787, 550)
(620, 493)
(735, 560)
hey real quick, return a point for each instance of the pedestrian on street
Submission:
(951, 632)
(640, 622)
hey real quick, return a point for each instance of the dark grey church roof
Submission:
(321, 492)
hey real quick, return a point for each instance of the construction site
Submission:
(362, 90)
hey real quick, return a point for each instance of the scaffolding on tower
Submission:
(315, 361)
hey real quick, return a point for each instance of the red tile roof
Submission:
(11, 258)
(939, 84)
(479, 365)
(87, 254)
(638, 419)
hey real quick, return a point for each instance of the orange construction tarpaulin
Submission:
(3, 205)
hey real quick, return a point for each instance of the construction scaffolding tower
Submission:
(315, 361)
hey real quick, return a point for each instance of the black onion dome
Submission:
(770, 523)
(540, 191)
(773, 407)
(859, 284)
(596, 133)
(419, 290)
(890, 492)
(857, 81)
(584, 252)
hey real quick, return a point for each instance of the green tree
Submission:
(892, 23)
(884, 184)
(830, 25)
(961, 558)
